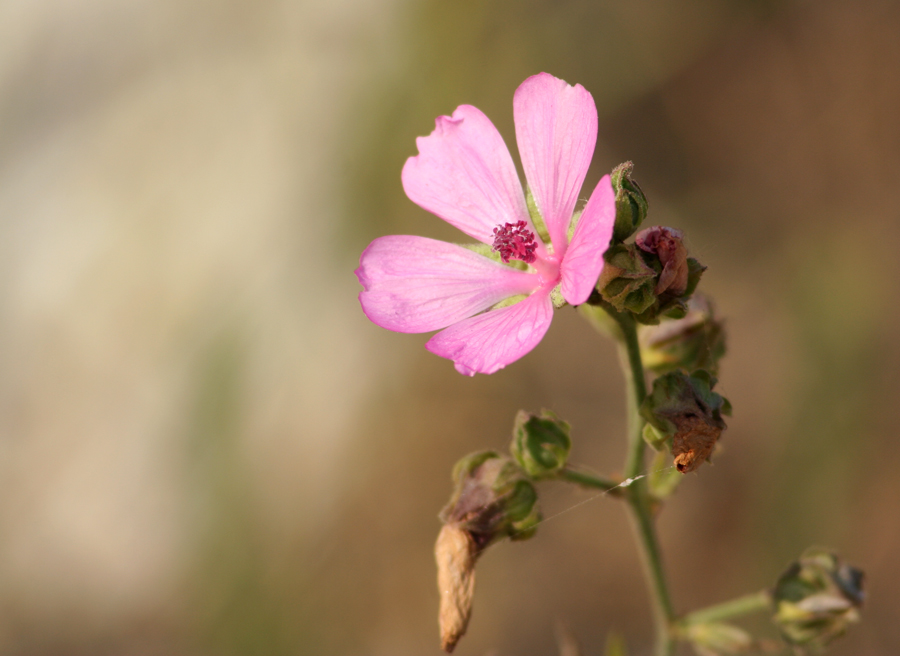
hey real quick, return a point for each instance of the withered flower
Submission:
(667, 245)
(683, 413)
(492, 500)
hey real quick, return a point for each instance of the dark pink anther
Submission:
(514, 241)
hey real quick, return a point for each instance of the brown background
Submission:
(205, 448)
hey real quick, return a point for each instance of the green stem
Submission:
(588, 480)
(636, 392)
(637, 494)
(745, 605)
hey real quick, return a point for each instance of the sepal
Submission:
(540, 443)
(631, 204)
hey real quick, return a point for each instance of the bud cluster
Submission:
(651, 277)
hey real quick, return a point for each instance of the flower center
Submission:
(514, 241)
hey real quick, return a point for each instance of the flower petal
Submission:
(414, 284)
(583, 262)
(556, 129)
(465, 174)
(488, 342)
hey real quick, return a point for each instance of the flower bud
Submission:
(697, 341)
(631, 204)
(816, 599)
(540, 443)
(492, 499)
(683, 413)
(627, 281)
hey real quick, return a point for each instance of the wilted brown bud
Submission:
(695, 440)
(493, 499)
(685, 410)
(456, 553)
(667, 245)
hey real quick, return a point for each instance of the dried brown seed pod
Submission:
(456, 553)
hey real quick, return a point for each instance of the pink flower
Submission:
(465, 175)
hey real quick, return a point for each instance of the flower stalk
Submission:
(751, 603)
(590, 480)
(637, 493)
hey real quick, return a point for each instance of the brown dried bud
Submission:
(685, 410)
(695, 440)
(493, 499)
(667, 245)
(456, 553)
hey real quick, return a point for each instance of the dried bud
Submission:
(540, 443)
(456, 553)
(695, 440)
(696, 341)
(667, 245)
(493, 499)
(816, 599)
(683, 413)
(631, 204)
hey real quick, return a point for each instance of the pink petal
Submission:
(556, 128)
(414, 284)
(488, 342)
(583, 262)
(465, 174)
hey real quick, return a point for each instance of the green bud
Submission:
(540, 443)
(627, 281)
(631, 204)
(684, 414)
(816, 599)
(696, 341)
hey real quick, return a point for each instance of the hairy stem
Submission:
(637, 494)
(751, 603)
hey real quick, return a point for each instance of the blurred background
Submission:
(205, 447)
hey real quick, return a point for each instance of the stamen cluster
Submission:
(514, 241)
